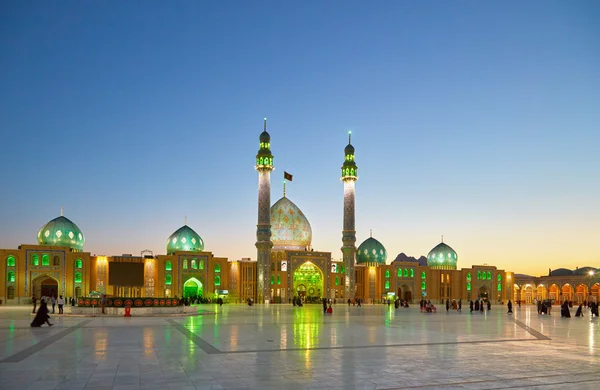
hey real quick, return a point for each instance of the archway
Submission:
(483, 292)
(406, 293)
(528, 294)
(516, 293)
(554, 292)
(581, 294)
(44, 286)
(192, 288)
(308, 282)
(595, 292)
(541, 293)
(567, 293)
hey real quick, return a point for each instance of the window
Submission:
(468, 286)
(478, 275)
(35, 259)
(10, 292)
(185, 264)
(412, 273)
(55, 260)
(387, 284)
(278, 279)
(77, 277)
(10, 261)
(499, 286)
(272, 279)
(489, 275)
(399, 272)
(406, 272)
(387, 273)
(45, 259)
(272, 267)
(217, 280)
(217, 268)
(168, 279)
(194, 264)
(423, 285)
(499, 277)
(78, 264)
(168, 266)
(337, 280)
(11, 276)
(423, 275)
(469, 277)
(201, 263)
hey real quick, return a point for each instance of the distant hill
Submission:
(403, 257)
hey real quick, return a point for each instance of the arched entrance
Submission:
(483, 292)
(566, 293)
(527, 294)
(405, 293)
(580, 294)
(44, 286)
(554, 292)
(192, 288)
(308, 282)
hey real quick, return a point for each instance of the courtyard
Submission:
(285, 347)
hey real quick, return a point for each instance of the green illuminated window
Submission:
(201, 263)
(387, 273)
(468, 286)
(423, 275)
(469, 277)
(399, 272)
(337, 280)
(11, 276)
(278, 279)
(478, 275)
(168, 279)
(499, 278)
(78, 264)
(168, 266)
(343, 269)
(412, 273)
(194, 264)
(35, 259)
(272, 279)
(217, 267)
(78, 277)
(423, 285)
(406, 272)
(185, 264)
(489, 275)
(45, 259)
(499, 286)
(10, 261)
(217, 280)
(387, 284)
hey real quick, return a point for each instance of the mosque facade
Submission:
(286, 265)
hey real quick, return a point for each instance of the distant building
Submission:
(560, 285)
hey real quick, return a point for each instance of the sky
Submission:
(478, 121)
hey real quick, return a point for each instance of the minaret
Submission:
(264, 166)
(349, 177)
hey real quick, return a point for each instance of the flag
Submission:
(287, 176)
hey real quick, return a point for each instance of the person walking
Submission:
(324, 302)
(460, 305)
(103, 303)
(447, 305)
(42, 316)
(34, 301)
(471, 305)
(509, 305)
(61, 303)
(53, 301)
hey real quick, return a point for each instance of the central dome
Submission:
(289, 227)
(184, 239)
(442, 257)
(61, 231)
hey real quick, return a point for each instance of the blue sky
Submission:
(474, 120)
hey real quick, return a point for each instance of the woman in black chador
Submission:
(509, 307)
(579, 312)
(564, 310)
(41, 316)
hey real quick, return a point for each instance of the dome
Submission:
(561, 272)
(442, 257)
(289, 227)
(265, 137)
(61, 231)
(349, 149)
(184, 239)
(371, 252)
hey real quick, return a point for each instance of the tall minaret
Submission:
(349, 177)
(264, 166)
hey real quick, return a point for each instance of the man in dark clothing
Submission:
(471, 305)
(34, 301)
(324, 300)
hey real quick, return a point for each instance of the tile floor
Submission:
(285, 347)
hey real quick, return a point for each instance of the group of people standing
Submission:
(480, 305)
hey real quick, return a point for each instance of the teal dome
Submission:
(184, 239)
(442, 257)
(61, 231)
(371, 252)
(265, 137)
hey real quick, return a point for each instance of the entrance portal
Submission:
(308, 282)
(483, 293)
(44, 286)
(192, 288)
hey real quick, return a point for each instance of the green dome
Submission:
(265, 137)
(184, 239)
(371, 252)
(61, 232)
(442, 257)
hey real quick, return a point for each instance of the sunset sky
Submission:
(478, 121)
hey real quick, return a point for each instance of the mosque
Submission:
(286, 265)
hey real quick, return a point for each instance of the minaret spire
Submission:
(265, 125)
(61, 211)
(185, 220)
(349, 177)
(371, 233)
(442, 238)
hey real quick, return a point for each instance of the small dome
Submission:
(290, 229)
(265, 137)
(184, 239)
(61, 231)
(442, 257)
(349, 149)
(371, 252)
(561, 272)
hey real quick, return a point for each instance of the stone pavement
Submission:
(285, 347)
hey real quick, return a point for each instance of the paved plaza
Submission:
(285, 347)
